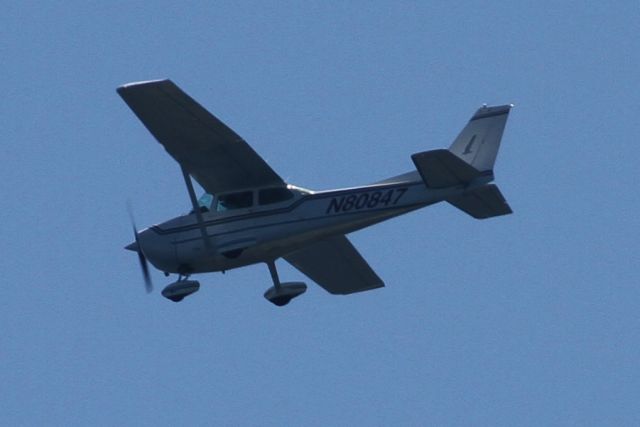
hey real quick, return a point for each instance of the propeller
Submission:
(144, 265)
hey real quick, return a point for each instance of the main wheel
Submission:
(281, 301)
(282, 295)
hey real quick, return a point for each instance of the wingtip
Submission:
(486, 111)
(486, 106)
(126, 86)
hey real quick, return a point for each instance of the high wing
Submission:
(336, 265)
(206, 148)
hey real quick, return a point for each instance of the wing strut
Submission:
(196, 210)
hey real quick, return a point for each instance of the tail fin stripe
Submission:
(479, 116)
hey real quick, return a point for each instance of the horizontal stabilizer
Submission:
(483, 202)
(441, 168)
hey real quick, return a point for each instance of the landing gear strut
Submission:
(281, 294)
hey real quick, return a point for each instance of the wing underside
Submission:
(206, 148)
(335, 265)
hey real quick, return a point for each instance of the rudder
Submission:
(479, 141)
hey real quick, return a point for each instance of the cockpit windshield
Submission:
(205, 201)
(268, 196)
(226, 202)
(245, 199)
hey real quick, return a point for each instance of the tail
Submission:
(479, 141)
(469, 161)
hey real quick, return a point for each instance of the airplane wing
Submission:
(206, 148)
(336, 265)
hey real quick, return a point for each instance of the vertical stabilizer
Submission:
(479, 141)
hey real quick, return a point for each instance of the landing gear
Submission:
(180, 289)
(281, 294)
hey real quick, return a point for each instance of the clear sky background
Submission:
(529, 319)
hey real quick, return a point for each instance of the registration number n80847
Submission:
(367, 200)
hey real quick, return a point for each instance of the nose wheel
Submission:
(183, 287)
(281, 294)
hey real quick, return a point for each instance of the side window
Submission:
(274, 195)
(231, 201)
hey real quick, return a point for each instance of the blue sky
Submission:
(530, 319)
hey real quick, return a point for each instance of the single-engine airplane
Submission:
(249, 214)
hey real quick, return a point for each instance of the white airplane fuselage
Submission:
(247, 236)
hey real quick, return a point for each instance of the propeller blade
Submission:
(144, 265)
(145, 269)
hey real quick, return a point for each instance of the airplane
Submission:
(249, 214)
